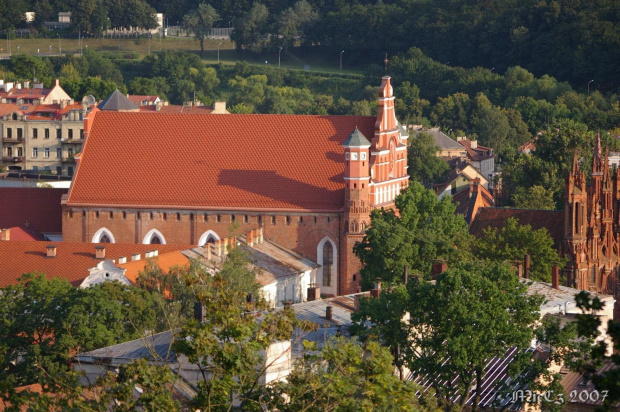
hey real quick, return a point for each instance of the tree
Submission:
(251, 29)
(346, 376)
(424, 164)
(89, 16)
(292, 22)
(513, 241)
(422, 229)
(200, 22)
(448, 330)
(536, 197)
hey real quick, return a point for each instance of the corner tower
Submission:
(388, 151)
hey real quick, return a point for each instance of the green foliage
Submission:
(536, 197)
(89, 17)
(251, 29)
(513, 241)
(200, 22)
(424, 228)
(424, 165)
(346, 376)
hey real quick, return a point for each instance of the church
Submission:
(309, 182)
(592, 227)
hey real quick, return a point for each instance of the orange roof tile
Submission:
(38, 207)
(165, 261)
(286, 162)
(72, 260)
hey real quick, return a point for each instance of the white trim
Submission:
(387, 98)
(382, 152)
(366, 146)
(384, 132)
(319, 259)
(205, 236)
(103, 231)
(357, 178)
(149, 236)
(386, 182)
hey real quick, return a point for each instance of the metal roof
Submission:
(117, 101)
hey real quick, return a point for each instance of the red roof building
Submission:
(35, 208)
(309, 181)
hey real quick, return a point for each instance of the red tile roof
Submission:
(72, 260)
(165, 261)
(552, 220)
(38, 208)
(470, 200)
(477, 154)
(138, 99)
(289, 162)
(25, 233)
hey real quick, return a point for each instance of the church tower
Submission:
(575, 225)
(357, 206)
(388, 151)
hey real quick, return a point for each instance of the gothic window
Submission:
(104, 239)
(328, 261)
(155, 240)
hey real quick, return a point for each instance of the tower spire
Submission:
(598, 151)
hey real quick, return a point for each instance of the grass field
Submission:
(141, 46)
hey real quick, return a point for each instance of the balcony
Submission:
(11, 140)
(13, 159)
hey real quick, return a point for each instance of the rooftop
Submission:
(233, 162)
(37, 208)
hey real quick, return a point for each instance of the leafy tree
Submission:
(536, 197)
(25, 66)
(200, 22)
(424, 165)
(292, 22)
(422, 228)
(251, 29)
(89, 16)
(13, 12)
(346, 376)
(513, 241)
(593, 358)
(155, 86)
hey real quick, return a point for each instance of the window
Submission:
(104, 239)
(35, 168)
(81, 133)
(70, 134)
(328, 261)
(111, 215)
(48, 169)
(70, 171)
(151, 215)
(164, 216)
(58, 133)
(19, 152)
(260, 219)
(9, 133)
(178, 217)
(20, 133)
(9, 152)
(47, 133)
(288, 220)
(35, 133)
(70, 152)
(245, 219)
(58, 170)
(47, 153)
(35, 152)
(124, 215)
(155, 240)
(232, 218)
(97, 215)
(219, 218)
(58, 153)
(273, 220)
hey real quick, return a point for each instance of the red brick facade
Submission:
(369, 179)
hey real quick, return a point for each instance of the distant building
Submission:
(480, 157)
(64, 21)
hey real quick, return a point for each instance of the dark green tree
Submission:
(424, 164)
(200, 22)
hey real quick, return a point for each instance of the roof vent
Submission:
(122, 259)
(135, 256)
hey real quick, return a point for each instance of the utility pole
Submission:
(218, 52)
(341, 61)
(280, 51)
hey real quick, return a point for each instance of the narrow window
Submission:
(301, 219)
(97, 215)
(205, 217)
(288, 220)
(35, 133)
(245, 219)
(260, 219)
(58, 133)
(70, 134)
(165, 216)
(47, 153)
(47, 133)
(328, 261)
(35, 152)
(111, 215)
(219, 218)
(273, 220)
(151, 215)
(58, 153)
(232, 218)
(124, 215)
(315, 220)
(178, 216)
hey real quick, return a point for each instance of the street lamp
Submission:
(50, 49)
(17, 50)
(341, 61)
(279, 51)
(589, 85)
(59, 48)
(218, 52)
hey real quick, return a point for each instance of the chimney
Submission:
(555, 277)
(135, 256)
(8, 86)
(99, 252)
(5, 234)
(474, 144)
(406, 274)
(376, 291)
(26, 84)
(314, 292)
(56, 82)
(526, 265)
(51, 251)
(199, 312)
(329, 312)
(260, 235)
(122, 259)
(208, 247)
(158, 106)
(439, 266)
(18, 85)
(63, 104)
(219, 108)
(519, 268)
(155, 252)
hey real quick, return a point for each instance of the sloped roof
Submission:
(237, 161)
(72, 260)
(117, 101)
(165, 261)
(552, 220)
(356, 139)
(39, 208)
(24, 233)
(471, 199)
(441, 139)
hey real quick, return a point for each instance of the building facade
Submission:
(310, 182)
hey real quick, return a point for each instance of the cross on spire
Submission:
(385, 62)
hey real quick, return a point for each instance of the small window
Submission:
(138, 216)
(273, 220)
(58, 153)
(47, 153)
(83, 213)
(35, 152)
(151, 215)
(9, 132)
(288, 220)
(315, 220)
(245, 219)
(191, 217)
(59, 170)
(111, 215)
(124, 215)
(260, 219)
(301, 219)
(47, 133)
(20, 133)
(328, 219)
(81, 133)
(35, 168)
(232, 218)
(70, 214)
(164, 216)
(47, 169)
(70, 170)
(354, 278)
(70, 134)
(70, 152)
(205, 217)
(219, 218)
(58, 133)
(97, 215)
(178, 217)
(35, 133)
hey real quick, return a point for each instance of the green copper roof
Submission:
(356, 139)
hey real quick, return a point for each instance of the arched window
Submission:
(154, 237)
(328, 262)
(103, 235)
(208, 237)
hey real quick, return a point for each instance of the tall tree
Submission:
(200, 22)
(424, 165)
(251, 28)
(422, 229)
